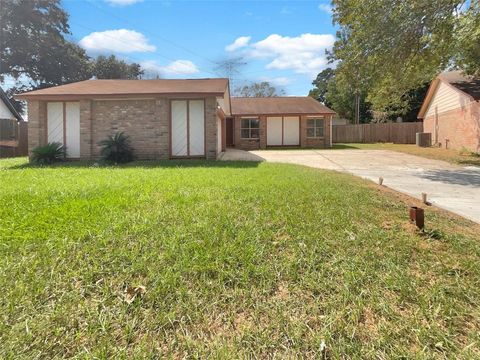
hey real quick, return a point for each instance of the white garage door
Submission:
(188, 128)
(274, 131)
(283, 131)
(58, 120)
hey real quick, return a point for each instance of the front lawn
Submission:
(228, 260)
(449, 155)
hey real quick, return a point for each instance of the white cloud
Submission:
(122, 2)
(240, 42)
(326, 8)
(178, 67)
(304, 54)
(280, 81)
(120, 41)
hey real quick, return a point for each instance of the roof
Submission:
(278, 106)
(8, 103)
(467, 85)
(108, 88)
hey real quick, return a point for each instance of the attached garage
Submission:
(259, 123)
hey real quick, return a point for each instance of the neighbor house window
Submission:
(315, 127)
(250, 128)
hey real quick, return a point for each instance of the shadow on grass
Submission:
(146, 164)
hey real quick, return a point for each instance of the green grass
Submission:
(238, 260)
(463, 157)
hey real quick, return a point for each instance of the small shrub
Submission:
(116, 148)
(49, 153)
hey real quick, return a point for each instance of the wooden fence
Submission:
(13, 138)
(397, 133)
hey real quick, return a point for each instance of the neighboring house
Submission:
(340, 121)
(451, 111)
(11, 136)
(170, 118)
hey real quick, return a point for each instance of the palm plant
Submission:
(48, 153)
(116, 148)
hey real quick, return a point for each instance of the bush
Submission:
(116, 148)
(49, 153)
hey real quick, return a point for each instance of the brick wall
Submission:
(461, 127)
(146, 121)
(261, 143)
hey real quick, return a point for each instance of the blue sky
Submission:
(280, 41)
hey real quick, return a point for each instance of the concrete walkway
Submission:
(448, 186)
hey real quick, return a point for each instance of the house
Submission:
(170, 118)
(451, 111)
(13, 139)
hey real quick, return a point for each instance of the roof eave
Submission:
(60, 97)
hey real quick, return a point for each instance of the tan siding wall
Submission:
(445, 99)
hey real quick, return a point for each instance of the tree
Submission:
(388, 48)
(321, 85)
(468, 41)
(113, 68)
(33, 44)
(258, 89)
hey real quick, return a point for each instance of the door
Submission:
(72, 133)
(229, 130)
(291, 131)
(274, 131)
(187, 128)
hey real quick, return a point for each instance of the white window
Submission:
(315, 127)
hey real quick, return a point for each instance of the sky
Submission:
(282, 42)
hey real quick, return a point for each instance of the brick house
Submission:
(170, 118)
(451, 111)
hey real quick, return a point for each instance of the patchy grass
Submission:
(202, 259)
(449, 155)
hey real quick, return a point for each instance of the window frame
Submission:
(249, 128)
(315, 127)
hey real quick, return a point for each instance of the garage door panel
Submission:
(197, 127)
(55, 122)
(179, 128)
(291, 130)
(274, 131)
(72, 112)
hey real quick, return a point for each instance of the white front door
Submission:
(291, 130)
(274, 131)
(188, 128)
(55, 122)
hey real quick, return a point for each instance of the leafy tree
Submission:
(258, 89)
(468, 40)
(113, 68)
(33, 44)
(321, 85)
(388, 48)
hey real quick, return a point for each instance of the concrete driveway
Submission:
(448, 186)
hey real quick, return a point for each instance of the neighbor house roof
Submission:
(278, 106)
(124, 88)
(467, 85)
(9, 105)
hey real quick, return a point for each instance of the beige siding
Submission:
(446, 98)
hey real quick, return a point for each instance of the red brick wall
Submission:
(461, 127)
